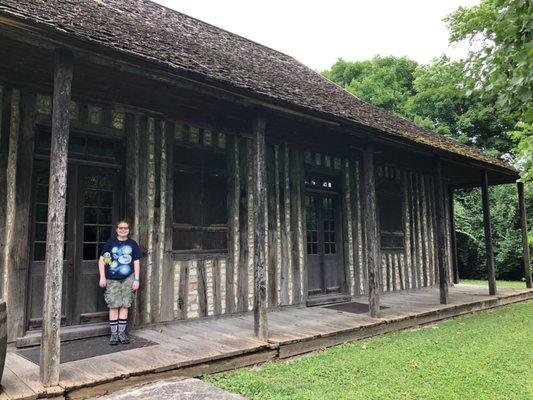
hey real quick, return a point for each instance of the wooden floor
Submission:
(199, 347)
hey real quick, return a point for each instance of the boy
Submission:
(119, 267)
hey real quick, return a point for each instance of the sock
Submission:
(113, 324)
(122, 325)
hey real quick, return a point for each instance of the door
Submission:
(324, 257)
(93, 204)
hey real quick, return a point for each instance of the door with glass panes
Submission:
(93, 204)
(325, 271)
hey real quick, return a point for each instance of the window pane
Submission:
(39, 251)
(40, 232)
(89, 234)
(215, 195)
(90, 215)
(89, 251)
(187, 240)
(187, 198)
(215, 240)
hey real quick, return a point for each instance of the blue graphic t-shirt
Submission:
(119, 257)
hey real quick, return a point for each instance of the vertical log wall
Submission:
(211, 285)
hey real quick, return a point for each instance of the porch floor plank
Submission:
(207, 346)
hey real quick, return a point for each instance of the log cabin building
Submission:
(251, 182)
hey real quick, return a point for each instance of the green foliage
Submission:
(505, 233)
(383, 81)
(501, 35)
(458, 359)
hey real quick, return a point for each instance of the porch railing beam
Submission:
(371, 228)
(523, 225)
(259, 175)
(441, 231)
(489, 252)
(50, 342)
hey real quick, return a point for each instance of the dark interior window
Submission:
(390, 213)
(200, 206)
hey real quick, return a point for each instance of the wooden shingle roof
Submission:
(158, 34)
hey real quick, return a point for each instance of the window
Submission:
(390, 213)
(200, 207)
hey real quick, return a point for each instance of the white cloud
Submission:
(318, 32)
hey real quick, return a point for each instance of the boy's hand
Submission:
(103, 282)
(135, 285)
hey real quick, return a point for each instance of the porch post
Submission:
(453, 237)
(523, 225)
(441, 232)
(50, 341)
(371, 228)
(260, 311)
(488, 232)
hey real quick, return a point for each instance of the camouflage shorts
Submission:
(119, 293)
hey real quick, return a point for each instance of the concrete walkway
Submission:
(180, 388)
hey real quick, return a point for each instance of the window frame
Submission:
(201, 170)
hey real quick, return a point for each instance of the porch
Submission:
(207, 346)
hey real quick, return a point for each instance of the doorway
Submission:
(324, 251)
(94, 202)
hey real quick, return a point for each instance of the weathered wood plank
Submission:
(370, 224)
(441, 232)
(202, 288)
(271, 170)
(423, 230)
(183, 293)
(242, 285)
(455, 263)
(150, 283)
(285, 262)
(50, 342)
(347, 225)
(295, 226)
(232, 264)
(167, 181)
(488, 232)
(407, 230)
(355, 218)
(260, 204)
(523, 227)
(217, 287)
(19, 253)
(4, 147)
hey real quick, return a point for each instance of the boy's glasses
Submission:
(123, 228)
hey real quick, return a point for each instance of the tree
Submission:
(501, 36)
(386, 82)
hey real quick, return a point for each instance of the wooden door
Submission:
(324, 258)
(93, 204)
(98, 205)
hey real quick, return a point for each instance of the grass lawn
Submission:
(519, 284)
(488, 355)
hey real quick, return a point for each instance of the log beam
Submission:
(488, 232)
(259, 175)
(453, 236)
(371, 228)
(441, 232)
(50, 342)
(523, 225)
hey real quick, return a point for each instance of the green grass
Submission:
(520, 284)
(488, 355)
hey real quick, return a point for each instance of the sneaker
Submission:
(113, 339)
(123, 338)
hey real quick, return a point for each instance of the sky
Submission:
(318, 33)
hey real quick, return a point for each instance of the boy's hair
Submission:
(117, 223)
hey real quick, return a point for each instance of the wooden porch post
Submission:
(523, 225)
(260, 311)
(453, 237)
(370, 228)
(50, 342)
(488, 232)
(441, 232)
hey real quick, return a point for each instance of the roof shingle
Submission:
(162, 35)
